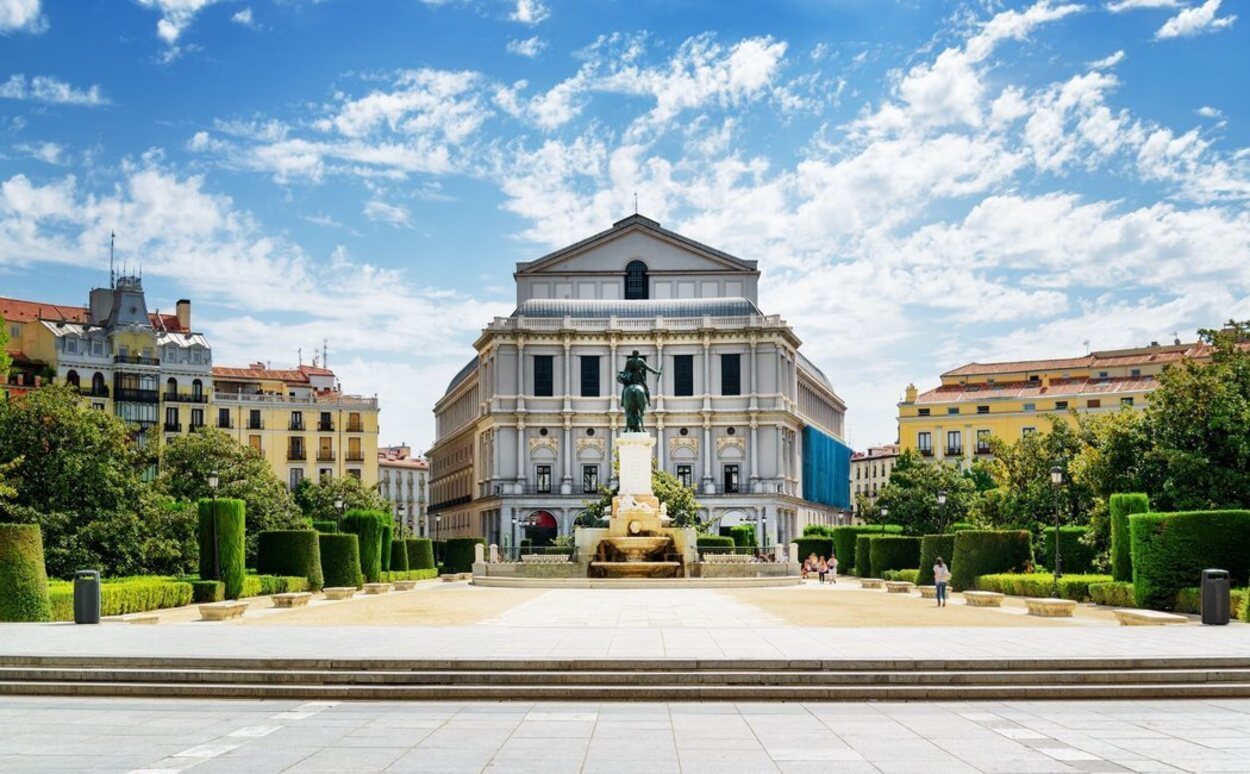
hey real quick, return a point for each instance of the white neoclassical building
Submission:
(525, 430)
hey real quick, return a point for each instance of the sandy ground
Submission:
(847, 605)
(432, 605)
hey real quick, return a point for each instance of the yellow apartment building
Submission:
(954, 421)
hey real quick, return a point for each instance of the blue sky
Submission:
(924, 183)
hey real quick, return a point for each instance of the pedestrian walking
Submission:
(941, 576)
(822, 569)
(833, 568)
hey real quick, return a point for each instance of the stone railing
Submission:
(726, 558)
(546, 558)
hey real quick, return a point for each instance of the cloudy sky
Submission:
(924, 183)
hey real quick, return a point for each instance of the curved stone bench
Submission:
(1132, 617)
(291, 599)
(899, 587)
(982, 598)
(927, 592)
(339, 592)
(377, 588)
(405, 585)
(1050, 607)
(222, 611)
(871, 583)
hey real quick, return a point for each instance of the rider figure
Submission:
(636, 373)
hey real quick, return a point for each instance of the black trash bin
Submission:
(1215, 597)
(87, 597)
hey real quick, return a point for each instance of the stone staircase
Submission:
(631, 679)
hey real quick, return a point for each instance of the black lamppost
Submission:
(764, 525)
(941, 501)
(885, 513)
(1056, 480)
(338, 508)
(399, 513)
(213, 481)
(515, 523)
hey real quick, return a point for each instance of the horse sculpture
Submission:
(635, 397)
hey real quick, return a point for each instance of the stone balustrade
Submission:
(546, 558)
(714, 558)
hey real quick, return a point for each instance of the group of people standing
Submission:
(819, 566)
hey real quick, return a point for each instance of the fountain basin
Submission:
(635, 569)
(638, 549)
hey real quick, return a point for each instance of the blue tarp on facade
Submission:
(826, 469)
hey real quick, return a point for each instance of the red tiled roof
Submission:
(268, 374)
(315, 371)
(17, 310)
(1105, 359)
(1059, 388)
(416, 463)
(877, 452)
(167, 322)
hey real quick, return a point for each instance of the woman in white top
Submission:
(833, 568)
(941, 576)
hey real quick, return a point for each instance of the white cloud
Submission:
(528, 47)
(392, 214)
(21, 16)
(1131, 5)
(1206, 111)
(530, 12)
(45, 88)
(1194, 21)
(47, 152)
(1107, 62)
(176, 17)
(244, 18)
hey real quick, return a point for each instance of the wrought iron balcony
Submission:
(137, 396)
(325, 427)
(325, 456)
(136, 360)
(296, 454)
(355, 427)
(184, 397)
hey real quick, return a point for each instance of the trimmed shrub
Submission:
(1077, 555)
(340, 560)
(264, 585)
(987, 551)
(1041, 584)
(931, 547)
(1112, 594)
(743, 535)
(863, 555)
(326, 527)
(388, 535)
(459, 556)
(820, 546)
(1170, 551)
(225, 519)
(23, 580)
(959, 526)
(368, 527)
(420, 554)
(893, 552)
(207, 591)
(290, 552)
(399, 556)
(427, 574)
(715, 543)
(1121, 507)
(132, 595)
(1245, 606)
(844, 540)
(818, 530)
(909, 576)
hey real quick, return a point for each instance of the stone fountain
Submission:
(640, 542)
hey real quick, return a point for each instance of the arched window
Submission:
(71, 378)
(197, 388)
(97, 384)
(636, 281)
(171, 387)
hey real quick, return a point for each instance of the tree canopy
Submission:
(911, 496)
(316, 499)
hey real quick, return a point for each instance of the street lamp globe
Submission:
(1056, 475)
(941, 497)
(338, 503)
(213, 480)
(884, 511)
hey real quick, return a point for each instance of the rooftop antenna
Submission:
(325, 353)
(299, 353)
(1086, 343)
(112, 273)
(635, 202)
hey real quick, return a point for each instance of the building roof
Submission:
(21, 311)
(462, 374)
(1152, 355)
(413, 463)
(654, 307)
(1058, 388)
(876, 452)
(256, 372)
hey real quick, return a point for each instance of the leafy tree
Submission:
(683, 508)
(6, 362)
(316, 499)
(911, 496)
(1021, 469)
(243, 473)
(1116, 455)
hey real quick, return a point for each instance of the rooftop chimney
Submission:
(184, 314)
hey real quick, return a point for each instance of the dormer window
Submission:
(636, 281)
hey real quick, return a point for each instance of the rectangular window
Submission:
(354, 473)
(922, 412)
(1126, 401)
(983, 442)
(324, 422)
(731, 479)
(354, 425)
(1027, 431)
(254, 442)
(354, 454)
(97, 406)
(683, 375)
(730, 374)
(325, 448)
(1061, 405)
(223, 418)
(542, 479)
(253, 420)
(1093, 403)
(1102, 374)
(543, 380)
(197, 418)
(171, 418)
(1030, 407)
(590, 479)
(297, 420)
(590, 376)
(295, 448)
(954, 442)
(952, 410)
(685, 474)
(924, 442)
(983, 409)
(296, 476)
(1135, 372)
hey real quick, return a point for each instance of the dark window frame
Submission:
(544, 376)
(731, 479)
(542, 479)
(637, 285)
(685, 474)
(731, 377)
(683, 376)
(590, 479)
(590, 387)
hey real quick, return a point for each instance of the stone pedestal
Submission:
(635, 451)
(635, 509)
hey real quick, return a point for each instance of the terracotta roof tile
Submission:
(226, 373)
(1059, 388)
(17, 310)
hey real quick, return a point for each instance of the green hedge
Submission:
(820, 546)
(290, 552)
(987, 551)
(459, 553)
(327, 527)
(717, 543)
(388, 536)
(844, 541)
(123, 597)
(1078, 556)
(911, 576)
(207, 591)
(399, 556)
(264, 585)
(863, 555)
(1190, 601)
(23, 580)
(393, 576)
(1245, 606)
(959, 526)
(227, 520)
(369, 528)
(743, 535)
(340, 560)
(931, 547)
(1112, 594)
(893, 552)
(1041, 584)
(420, 553)
(1121, 507)
(1170, 551)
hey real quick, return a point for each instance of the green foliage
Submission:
(683, 508)
(1025, 497)
(368, 527)
(715, 543)
(420, 553)
(340, 560)
(243, 473)
(427, 574)
(844, 541)
(743, 535)
(1041, 584)
(225, 519)
(384, 549)
(207, 591)
(6, 362)
(912, 493)
(863, 555)
(1245, 606)
(1121, 506)
(1112, 594)
(959, 526)
(1170, 551)
(327, 527)
(264, 585)
(908, 576)
(23, 583)
(121, 597)
(316, 499)
(291, 552)
(821, 547)
(1076, 551)
(983, 552)
(932, 547)
(399, 556)
(458, 556)
(892, 552)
